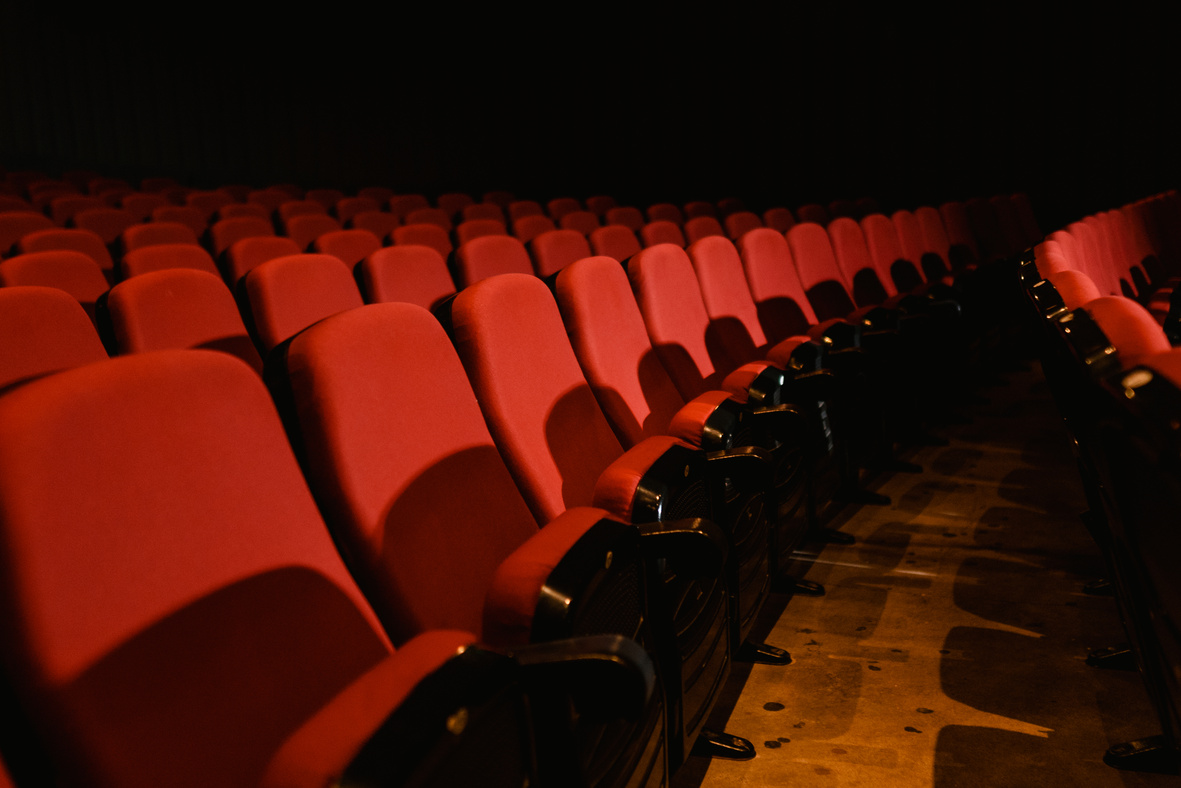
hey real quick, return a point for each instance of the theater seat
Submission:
(409, 273)
(288, 294)
(73, 272)
(43, 330)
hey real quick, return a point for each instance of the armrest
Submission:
(607, 676)
(696, 548)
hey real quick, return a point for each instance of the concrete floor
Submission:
(949, 649)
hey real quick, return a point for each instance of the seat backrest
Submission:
(426, 552)
(488, 256)
(538, 406)
(667, 292)
(695, 208)
(73, 272)
(141, 205)
(178, 308)
(782, 305)
(225, 232)
(107, 223)
(436, 216)
(430, 235)
(519, 208)
(608, 336)
(734, 319)
(820, 275)
(531, 225)
(380, 223)
(560, 206)
(162, 256)
(62, 209)
(237, 210)
(483, 210)
(409, 273)
(305, 228)
(154, 233)
(249, 253)
(662, 231)
(895, 269)
(856, 263)
(348, 207)
(351, 246)
(584, 222)
(614, 240)
(814, 213)
(474, 228)
(163, 553)
(665, 212)
(288, 294)
(15, 224)
(326, 197)
(922, 233)
(627, 215)
(193, 218)
(740, 222)
(554, 250)
(779, 219)
(452, 203)
(43, 330)
(208, 202)
(402, 204)
(1129, 327)
(84, 241)
(1074, 287)
(701, 227)
(962, 246)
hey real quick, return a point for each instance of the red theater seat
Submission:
(249, 253)
(614, 240)
(491, 255)
(84, 241)
(351, 246)
(74, 272)
(304, 229)
(159, 257)
(409, 273)
(43, 330)
(288, 294)
(554, 250)
(430, 235)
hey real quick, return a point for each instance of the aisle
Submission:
(950, 648)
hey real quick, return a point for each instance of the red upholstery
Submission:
(436, 216)
(629, 216)
(271, 197)
(249, 253)
(73, 272)
(62, 209)
(326, 197)
(225, 232)
(856, 265)
(237, 210)
(584, 222)
(779, 219)
(662, 231)
(154, 233)
(141, 205)
(529, 226)
(288, 294)
(521, 208)
(290, 208)
(304, 229)
(814, 213)
(474, 228)
(83, 241)
(403, 204)
(490, 255)
(453, 202)
(483, 210)
(897, 272)
(161, 256)
(665, 212)
(816, 263)
(560, 206)
(959, 234)
(411, 274)
(380, 223)
(351, 246)
(702, 227)
(178, 308)
(697, 208)
(741, 222)
(783, 308)
(607, 334)
(42, 330)
(423, 235)
(539, 408)
(208, 202)
(429, 553)
(615, 241)
(15, 224)
(1129, 328)
(1074, 287)
(348, 207)
(554, 250)
(238, 610)
(193, 218)
(107, 223)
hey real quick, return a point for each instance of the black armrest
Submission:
(606, 676)
(694, 547)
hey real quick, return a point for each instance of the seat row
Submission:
(1115, 375)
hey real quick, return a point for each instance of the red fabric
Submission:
(665, 212)
(380, 223)
(327, 742)
(141, 205)
(16, 224)
(163, 256)
(163, 553)
(208, 202)
(702, 227)
(193, 218)
(1074, 287)
(326, 197)
(237, 210)
(350, 246)
(290, 208)
(560, 206)
(490, 255)
(931, 230)
(304, 229)
(779, 219)
(106, 223)
(615, 241)
(1129, 327)
(529, 226)
(249, 253)
(813, 255)
(409, 273)
(666, 289)
(538, 405)
(403, 204)
(780, 353)
(1095, 263)
(154, 233)
(629, 216)
(348, 207)
(43, 329)
(62, 209)
(516, 585)
(771, 275)
(727, 298)
(662, 231)
(73, 272)
(615, 489)
(520, 208)
(225, 231)
(179, 308)
(554, 250)
(885, 248)
(584, 222)
(475, 228)
(288, 294)
(436, 216)
(741, 222)
(403, 465)
(484, 210)
(688, 423)
(607, 333)
(1167, 364)
(959, 231)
